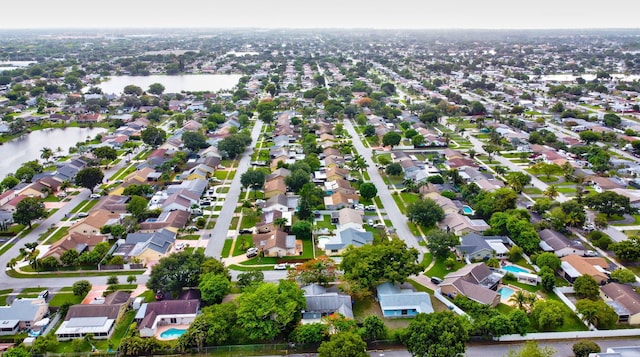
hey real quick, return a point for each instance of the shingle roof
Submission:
(624, 296)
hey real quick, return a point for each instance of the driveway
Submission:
(398, 219)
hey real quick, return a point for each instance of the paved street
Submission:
(219, 233)
(398, 219)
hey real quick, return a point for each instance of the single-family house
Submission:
(76, 241)
(277, 244)
(475, 247)
(447, 205)
(152, 315)
(346, 237)
(555, 242)
(601, 184)
(322, 301)
(339, 185)
(574, 266)
(197, 186)
(460, 224)
(280, 202)
(146, 247)
(475, 281)
(171, 220)
(402, 301)
(340, 200)
(22, 314)
(350, 218)
(91, 224)
(98, 320)
(624, 300)
(335, 173)
(277, 186)
(281, 172)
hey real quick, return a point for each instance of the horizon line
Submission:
(152, 28)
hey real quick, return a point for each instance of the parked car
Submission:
(252, 252)
(246, 231)
(590, 253)
(436, 280)
(281, 266)
(370, 222)
(94, 196)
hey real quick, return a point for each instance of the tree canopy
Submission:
(368, 190)
(343, 344)
(153, 136)
(89, 177)
(181, 270)
(194, 141)
(29, 209)
(609, 203)
(441, 334)
(440, 243)
(391, 138)
(394, 169)
(270, 309)
(370, 265)
(425, 212)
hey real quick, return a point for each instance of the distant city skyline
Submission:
(398, 14)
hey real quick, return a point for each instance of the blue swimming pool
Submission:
(514, 269)
(505, 292)
(467, 210)
(172, 333)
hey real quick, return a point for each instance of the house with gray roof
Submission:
(402, 300)
(197, 186)
(22, 314)
(98, 319)
(474, 246)
(557, 243)
(345, 238)
(475, 281)
(147, 246)
(624, 300)
(323, 301)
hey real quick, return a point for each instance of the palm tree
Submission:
(46, 153)
(280, 222)
(520, 298)
(551, 192)
(590, 316)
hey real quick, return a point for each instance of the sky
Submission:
(393, 14)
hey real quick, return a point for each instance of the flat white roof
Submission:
(75, 327)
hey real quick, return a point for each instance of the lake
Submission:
(27, 147)
(173, 84)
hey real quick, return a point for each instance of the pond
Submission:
(173, 84)
(27, 147)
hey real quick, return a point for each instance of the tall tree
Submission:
(531, 349)
(368, 190)
(89, 177)
(194, 141)
(609, 203)
(270, 310)
(370, 265)
(321, 270)
(214, 287)
(391, 138)
(343, 344)
(253, 179)
(153, 136)
(29, 209)
(425, 212)
(440, 243)
(441, 334)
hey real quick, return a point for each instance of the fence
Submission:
(448, 303)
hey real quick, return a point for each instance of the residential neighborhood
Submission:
(382, 193)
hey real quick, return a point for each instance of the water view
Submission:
(27, 147)
(173, 84)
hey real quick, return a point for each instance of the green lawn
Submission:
(5, 248)
(551, 178)
(227, 247)
(32, 290)
(400, 204)
(409, 197)
(566, 189)
(60, 298)
(532, 191)
(244, 240)
(190, 237)
(62, 232)
(325, 223)
(249, 219)
(440, 271)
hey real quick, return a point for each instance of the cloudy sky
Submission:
(400, 14)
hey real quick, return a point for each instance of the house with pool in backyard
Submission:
(168, 319)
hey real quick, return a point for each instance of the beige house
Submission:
(277, 244)
(475, 281)
(78, 241)
(574, 266)
(460, 224)
(624, 300)
(275, 187)
(95, 221)
(445, 203)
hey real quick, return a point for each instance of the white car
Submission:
(94, 196)
(281, 266)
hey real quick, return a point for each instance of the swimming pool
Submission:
(172, 333)
(514, 269)
(467, 210)
(505, 292)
